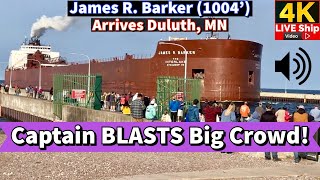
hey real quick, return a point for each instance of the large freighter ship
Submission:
(229, 69)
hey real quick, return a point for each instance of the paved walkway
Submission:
(294, 171)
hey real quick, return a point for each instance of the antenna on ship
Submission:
(212, 34)
(25, 40)
(229, 37)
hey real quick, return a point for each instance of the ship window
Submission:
(251, 78)
(198, 73)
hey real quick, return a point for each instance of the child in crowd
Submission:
(165, 117)
(126, 108)
(201, 116)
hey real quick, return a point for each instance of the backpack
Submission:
(187, 117)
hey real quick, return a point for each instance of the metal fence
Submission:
(76, 90)
(168, 87)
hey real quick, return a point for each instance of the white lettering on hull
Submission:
(176, 52)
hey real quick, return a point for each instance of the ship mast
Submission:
(214, 35)
(25, 40)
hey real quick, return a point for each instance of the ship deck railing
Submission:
(116, 58)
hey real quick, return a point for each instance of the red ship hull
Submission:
(231, 68)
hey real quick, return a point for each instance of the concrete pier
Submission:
(21, 108)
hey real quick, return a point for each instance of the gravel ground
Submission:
(109, 165)
(285, 178)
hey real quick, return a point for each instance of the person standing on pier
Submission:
(180, 110)
(151, 112)
(35, 91)
(315, 112)
(301, 115)
(229, 115)
(174, 105)
(17, 90)
(211, 112)
(193, 112)
(256, 115)
(281, 114)
(51, 94)
(31, 92)
(245, 112)
(112, 101)
(269, 116)
(122, 100)
(6, 89)
(137, 107)
(27, 90)
(126, 108)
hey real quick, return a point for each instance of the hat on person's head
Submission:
(301, 107)
(269, 106)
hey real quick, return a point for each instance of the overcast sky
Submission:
(17, 17)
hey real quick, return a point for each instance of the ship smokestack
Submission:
(59, 23)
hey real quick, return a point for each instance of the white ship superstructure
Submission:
(19, 58)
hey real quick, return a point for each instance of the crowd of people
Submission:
(261, 114)
(34, 92)
(137, 105)
(140, 107)
(30, 91)
(17, 89)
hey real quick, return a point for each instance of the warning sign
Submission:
(78, 93)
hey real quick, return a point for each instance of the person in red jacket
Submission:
(287, 116)
(211, 111)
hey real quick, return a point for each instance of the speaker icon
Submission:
(283, 66)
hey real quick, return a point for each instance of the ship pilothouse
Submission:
(32, 53)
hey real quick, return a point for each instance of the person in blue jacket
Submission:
(193, 112)
(151, 112)
(174, 105)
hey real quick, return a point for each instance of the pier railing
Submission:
(115, 58)
(290, 97)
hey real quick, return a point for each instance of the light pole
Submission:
(185, 66)
(10, 73)
(88, 69)
(11, 69)
(10, 78)
(39, 71)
